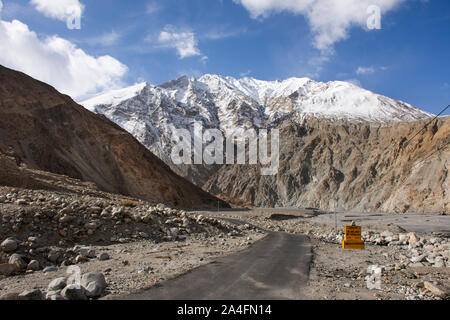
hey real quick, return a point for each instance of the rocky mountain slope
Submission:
(46, 130)
(341, 145)
(348, 165)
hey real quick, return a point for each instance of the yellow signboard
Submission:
(352, 233)
(353, 238)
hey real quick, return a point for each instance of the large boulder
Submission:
(34, 294)
(57, 284)
(19, 260)
(9, 245)
(74, 292)
(94, 283)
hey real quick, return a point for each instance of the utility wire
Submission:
(417, 133)
(437, 150)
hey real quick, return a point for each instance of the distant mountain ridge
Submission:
(225, 103)
(342, 147)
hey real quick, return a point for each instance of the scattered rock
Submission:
(418, 258)
(7, 269)
(50, 269)
(413, 238)
(33, 265)
(438, 289)
(34, 294)
(74, 292)
(57, 284)
(80, 259)
(54, 256)
(54, 295)
(103, 256)
(19, 260)
(9, 245)
(85, 251)
(95, 284)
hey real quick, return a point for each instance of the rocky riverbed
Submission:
(122, 243)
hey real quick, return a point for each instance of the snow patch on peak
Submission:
(114, 97)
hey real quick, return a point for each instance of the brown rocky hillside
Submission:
(46, 130)
(362, 166)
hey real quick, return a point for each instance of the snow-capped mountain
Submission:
(150, 112)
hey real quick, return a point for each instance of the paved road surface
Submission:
(276, 267)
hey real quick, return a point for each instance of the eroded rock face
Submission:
(347, 165)
(46, 130)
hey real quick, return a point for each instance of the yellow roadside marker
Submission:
(353, 238)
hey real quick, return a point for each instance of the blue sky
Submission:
(156, 41)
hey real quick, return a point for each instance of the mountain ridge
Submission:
(313, 165)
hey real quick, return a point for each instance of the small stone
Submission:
(144, 235)
(9, 245)
(173, 232)
(33, 265)
(19, 260)
(439, 264)
(387, 233)
(67, 262)
(63, 233)
(80, 258)
(416, 265)
(54, 256)
(34, 294)
(85, 251)
(403, 237)
(66, 219)
(74, 292)
(54, 296)
(413, 238)
(91, 226)
(418, 258)
(57, 284)
(50, 269)
(438, 289)
(21, 202)
(103, 256)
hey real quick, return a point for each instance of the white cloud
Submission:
(330, 20)
(365, 70)
(1, 6)
(107, 39)
(224, 33)
(183, 41)
(59, 9)
(204, 59)
(57, 61)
